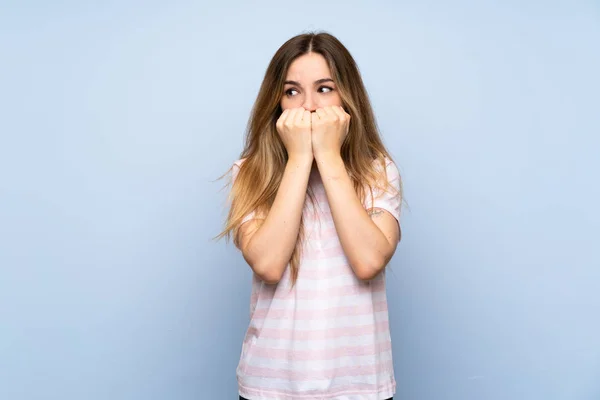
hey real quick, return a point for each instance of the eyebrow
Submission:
(317, 82)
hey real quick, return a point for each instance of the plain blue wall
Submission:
(117, 118)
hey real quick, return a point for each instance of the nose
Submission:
(309, 103)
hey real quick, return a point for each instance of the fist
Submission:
(329, 130)
(294, 129)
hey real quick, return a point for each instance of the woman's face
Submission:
(308, 84)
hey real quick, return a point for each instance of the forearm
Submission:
(271, 246)
(364, 244)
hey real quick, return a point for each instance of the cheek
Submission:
(287, 102)
(333, 99)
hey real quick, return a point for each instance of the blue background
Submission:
(116, 119)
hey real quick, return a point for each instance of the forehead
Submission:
(308, 68)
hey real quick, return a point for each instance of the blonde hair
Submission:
(265, 156)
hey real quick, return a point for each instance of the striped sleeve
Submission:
(235, 169)
(390, 199)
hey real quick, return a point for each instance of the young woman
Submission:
(315, 205)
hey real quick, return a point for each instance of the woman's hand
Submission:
(329, 129)
(294, 129)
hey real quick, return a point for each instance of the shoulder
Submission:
(238, 163)
(392, 169)
(235, 167)
(387, 167)
(388, 181)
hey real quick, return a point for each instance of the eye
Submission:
(291, 92)
(325, 89)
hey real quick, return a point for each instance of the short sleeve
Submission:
(390, 199)
(235, 169)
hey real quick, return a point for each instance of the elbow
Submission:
(270, 279)
(270, 273)
(367, 269)
(268, 269)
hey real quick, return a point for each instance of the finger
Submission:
(346, 113)
(292, 116)
(306, 118)
(339, 112)
(344, 118)
(283, 117)
(284, 114)
(331, 114)
(298, 116)
(321, 113)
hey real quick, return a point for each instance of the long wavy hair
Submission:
(264, 153)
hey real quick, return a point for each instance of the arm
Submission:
(368, 238)
(368, 241)
(268, 247)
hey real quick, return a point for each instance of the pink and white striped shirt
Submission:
(328, 337)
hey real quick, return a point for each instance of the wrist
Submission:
(331, 166)
(300, 159)
(328, 157)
